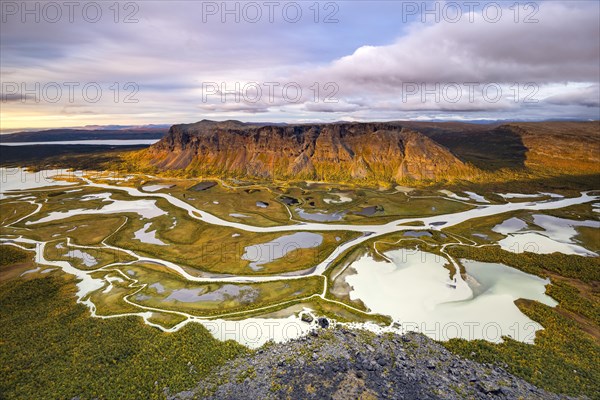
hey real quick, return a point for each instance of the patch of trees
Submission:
(51, 348)
(586, 269)
(10, 255)
(564, 358)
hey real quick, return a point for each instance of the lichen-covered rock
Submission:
(339, 363)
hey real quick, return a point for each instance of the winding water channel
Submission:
(218, 326)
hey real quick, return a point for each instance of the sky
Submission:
(71, 64)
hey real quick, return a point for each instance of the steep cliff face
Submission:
(340, 151)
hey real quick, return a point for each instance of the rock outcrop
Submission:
(330, 152)
(340, 363)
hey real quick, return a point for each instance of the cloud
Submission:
(563, 46)
(335, 107)
(76, 110)
(586, 96)
(479, 57)
(234, 107)
(171, 52)
(13, 97)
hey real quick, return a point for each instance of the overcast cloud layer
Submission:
(169, 62)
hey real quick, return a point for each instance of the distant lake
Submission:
(106, 142)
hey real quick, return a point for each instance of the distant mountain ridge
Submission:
(333, 152)
(55, 135)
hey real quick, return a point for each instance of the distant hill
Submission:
(555, 146)
(55, 135)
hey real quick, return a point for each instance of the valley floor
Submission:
(217, 260)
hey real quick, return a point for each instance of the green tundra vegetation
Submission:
(204, 247)
(223, 201)
(87, 258)
(12, 211)
(83, 230)
(10, 255)
(564, 359)
(237, 201)
(191, 243)
(586, 269)
(50, 348)
(217, 300)
(566, 353)
(113, 302)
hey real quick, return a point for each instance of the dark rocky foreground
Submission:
(347, 364)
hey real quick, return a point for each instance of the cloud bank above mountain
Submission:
(381, 60)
